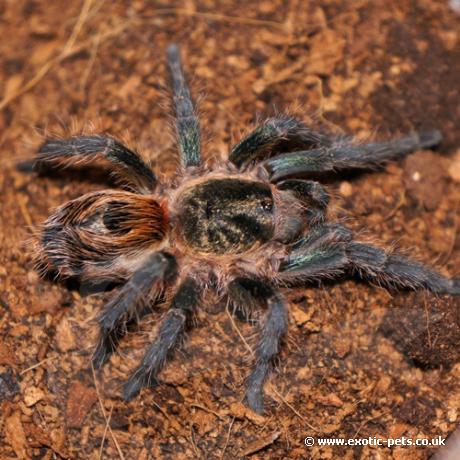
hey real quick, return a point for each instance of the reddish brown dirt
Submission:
(360, 361)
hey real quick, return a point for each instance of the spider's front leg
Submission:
(127, 164)
(391, 268)
(243, 292)
(329, 251)
(184, 304)
(187, 124)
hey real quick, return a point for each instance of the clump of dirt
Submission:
(425, 179)
(428, 332)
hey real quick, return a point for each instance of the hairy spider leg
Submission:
(310, 193)
(127, 164)
(187, 124)
(179, 315)
(271, 135)
(142, 289)
(321, 254)
(273, 330)
(342, 155)
(391, 268)
(328, 251)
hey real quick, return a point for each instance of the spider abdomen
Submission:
(95, 232)
(226, 215)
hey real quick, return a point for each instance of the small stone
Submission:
(48, 302)
(65, 337)
(15, 436)
(342, 346)
(300, 317)
(330, 400)
(346, 189)
(424, 179)
(32, 277)
(6, 355)
(383, 384)
(81, 399)
(32, 395)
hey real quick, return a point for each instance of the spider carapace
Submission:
(247, 227)
(226, 215)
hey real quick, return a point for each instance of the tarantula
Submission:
(244, 228)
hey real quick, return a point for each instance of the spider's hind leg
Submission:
(187, 125)
(126, 163)
(246, 294)
(173, 326)
(273, 330)
(138, 292)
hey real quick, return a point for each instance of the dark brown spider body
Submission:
(225, 224)
(248, 228)
(226, 215)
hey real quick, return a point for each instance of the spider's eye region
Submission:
(267, 205)
(226, 215)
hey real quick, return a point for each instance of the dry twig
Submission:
(101, 405)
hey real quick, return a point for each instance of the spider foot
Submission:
(106, 345)
(255, 393)
(136, 382)
(100, 355)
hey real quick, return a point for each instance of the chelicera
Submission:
(248, 228)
